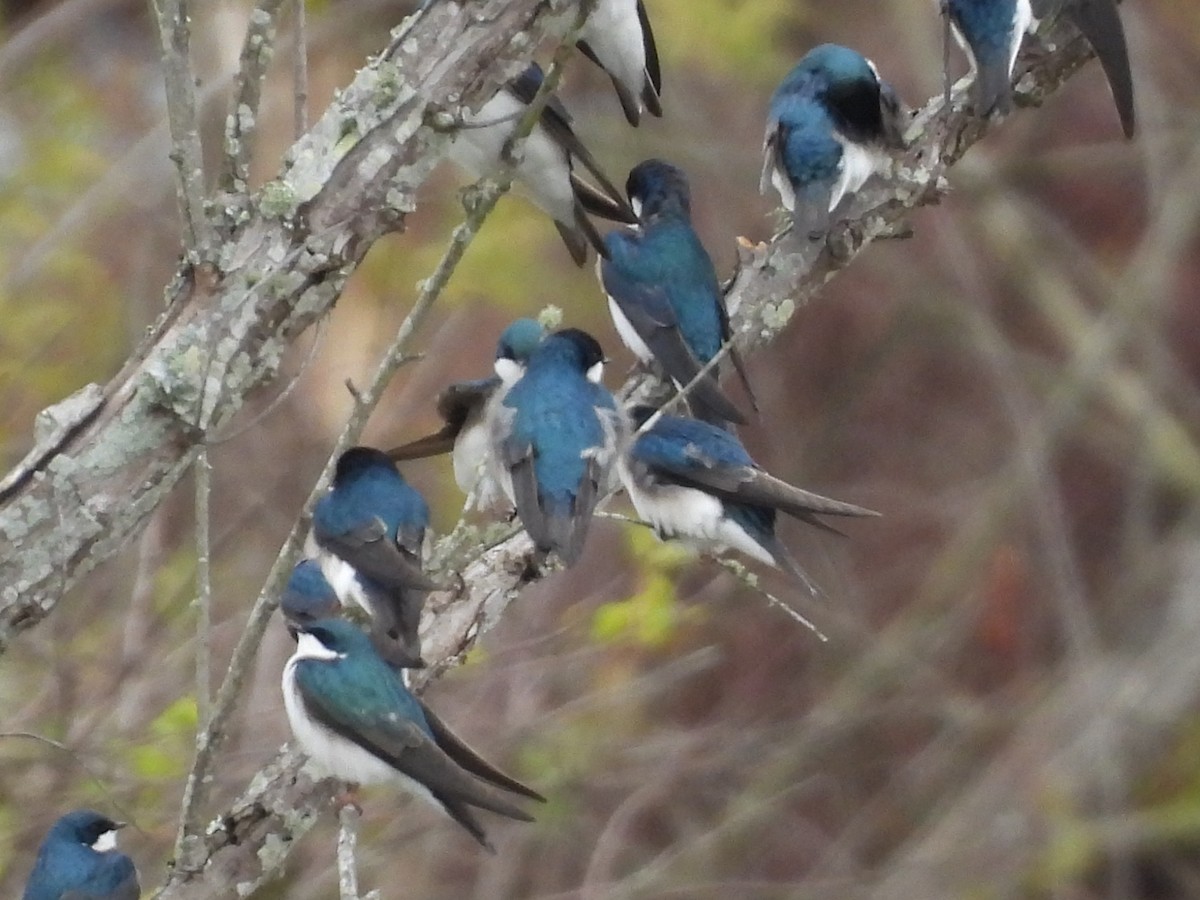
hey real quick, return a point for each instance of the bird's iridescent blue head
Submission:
(656, 187)
(87, 827)
(519, 340)
(307, 595)
(358, 461)
(835, 64)
(577, 347)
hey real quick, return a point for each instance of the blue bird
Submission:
(354, 718)
(308, 595)
(369, 531)
(662, 289)
(462, 407)
(990, 33)
(78, 860)
(546, 169)
(617, 37)
(829, 126)
(555, 433)
(695, 482)
(1100, 23)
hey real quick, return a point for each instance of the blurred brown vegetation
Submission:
(1017, 388)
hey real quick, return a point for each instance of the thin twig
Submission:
(174, 25)
(257, 50)
(300, 72)
(203, 476)
(347, 844)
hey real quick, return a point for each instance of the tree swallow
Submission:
(352, 715)
(308, 595)
(663, 292)
(695, 482)
(462, 407)
(555, 433)
(546, 168)
(78, 860)
(617, 37)
(370, 533)
(829, 127)
(1100, 23)
(990, 33)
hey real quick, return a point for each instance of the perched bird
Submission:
(352, 715)
(1100, 23)
(462, 407)
(617, 37)
(990, 33)
(829, 126)
(79, 860)
(695, 482)
(662, 289)
(308, 595)
(555, 433)
(547, 166)
(369, 531)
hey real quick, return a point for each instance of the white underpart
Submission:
(595, 374)
(628, 334)
(544, 171)
(636, 205)
(473, 470)
(858, 164)
(105, 842)
(343, 579)
(691, 516)
(331, 754)
(781, 183)
(509, 371)
(614, 32)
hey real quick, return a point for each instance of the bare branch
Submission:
(174, 26)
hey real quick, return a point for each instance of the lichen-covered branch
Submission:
(90, 484)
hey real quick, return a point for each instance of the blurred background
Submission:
(1008, 702)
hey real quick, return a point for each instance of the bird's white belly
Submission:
(691, 516)
(787, 194)
(614, 32)
(858, 164)
(544, 172)
(473, 469)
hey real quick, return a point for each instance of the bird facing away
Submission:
(990, 33)
(617, 37)
(662, 288)
(78, 860)
(695, 482)
(369, 530)
(462, 407)
(546, 169)
(555, 433)
(354, 718)
(830, 125)
(1100, 23)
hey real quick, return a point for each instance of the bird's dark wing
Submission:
(1100, 22)
(402, 744)
(649, 313)
(468, 759)
(373, 554)
(517, 458)
(772, 154)
(457, 405)
(653, 70)
(754, 487)
(608, 201)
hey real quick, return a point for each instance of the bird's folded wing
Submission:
(372, 553)
(468, 759)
